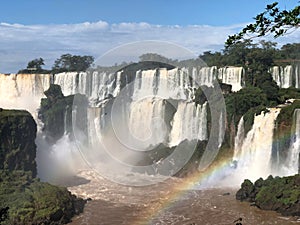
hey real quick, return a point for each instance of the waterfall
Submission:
(294, 150)
(297, 76)
(67, 82)
(275, 71)
(238, 140)
(190, 122)
(95, 85)
(23, 91)
(254, 156)
(287, 76)
(147, 122)
(204, 76)
(233, 76)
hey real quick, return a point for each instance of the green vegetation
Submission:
(279, 194)
(32, 202)
(286, 113)
(23, 198)
(35, 66)
(261, 90)
(289, 93)
(17, 136)
(72, 63)
(272, 21)
(66, 63)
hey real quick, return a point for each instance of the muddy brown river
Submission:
(164, 203)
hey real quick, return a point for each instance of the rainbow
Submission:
(179, 190)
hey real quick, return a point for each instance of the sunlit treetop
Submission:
(272, 21)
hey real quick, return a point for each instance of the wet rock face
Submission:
(23, 198)
(17, 141)
(56, 113)
(278, 194)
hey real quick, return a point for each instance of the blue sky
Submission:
(163, 12)
(48, 28)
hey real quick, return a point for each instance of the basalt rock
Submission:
(56, 113)
(278, 194)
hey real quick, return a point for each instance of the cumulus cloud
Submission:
(21, 43)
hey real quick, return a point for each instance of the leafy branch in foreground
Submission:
(272, 21)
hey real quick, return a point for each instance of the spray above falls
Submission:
(140, 117)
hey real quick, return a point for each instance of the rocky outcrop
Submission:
(23, 198)
(56, 113)
(17, 141)
(278, 194)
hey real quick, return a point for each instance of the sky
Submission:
(49, 28)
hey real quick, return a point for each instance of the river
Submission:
(165, 203)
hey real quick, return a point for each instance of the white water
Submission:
(254, 158)
(175, 83)
(233, 76)
(189, 122)
(294, 150)
(146, 122)
(146, 114)
(239, 139)
(285, 77)
(252, 154)
(23, 91)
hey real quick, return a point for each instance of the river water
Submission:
(164, 203)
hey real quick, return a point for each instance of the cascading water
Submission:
(294, 150)
(147, 109)
(233, 76)
(297, 76)
(253, 156)
(146, 118)
(23, 91)
(190, 122)
(239, 139)
(287, 76)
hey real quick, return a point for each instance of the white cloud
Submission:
(21, 43)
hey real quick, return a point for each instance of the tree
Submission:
(72, 63)
(155, 57)
(272, 21)
(34, 66)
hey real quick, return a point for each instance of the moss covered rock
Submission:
(17, 141)
(278, 194)
(32, 202)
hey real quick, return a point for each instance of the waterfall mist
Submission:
(136, 122)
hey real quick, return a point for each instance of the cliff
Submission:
(23, 198)
(56, 113)
(17, 141)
